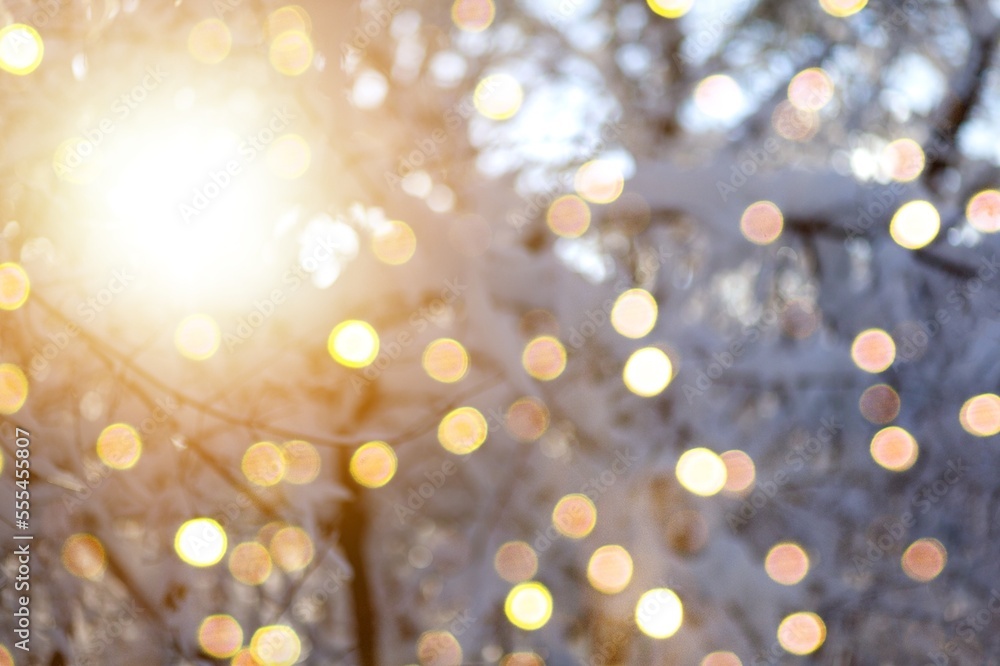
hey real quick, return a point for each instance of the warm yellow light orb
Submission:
(701, 472)
(915, 224)
(119, 446)
(670, 9)
(374, 464)
(529, 606)
(276, 645)
(634, 313)
(801, 633)
(980, 415)
(353, 343)
(200, 542)
(445, 360)
(462, 430)
(14, 286)
(610, 569)
(21, 49)
(13, 388)
(198, 337)
(659, 613)
(220, 636)
(648, 371)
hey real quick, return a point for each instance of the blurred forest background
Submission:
(502, 331)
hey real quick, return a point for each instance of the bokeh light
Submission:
(302, 462)
(445, 360)
(21, 49)
(903, 160)
(197, 337)
(634, 313)
(894, 449)
(394, 242)
(701, 472)
(721, 659)
(528, 606)
(353, 343)
(83, 556)
(794, 124)
(983, 211)
(879, 404)
(659, 613)
(810, 90)
(762, 223)
(610, 569)
(527, 419)
(288, 18)
(462, 430)
(516, 562)
(291, 549)
(276, 645)
(873, 350)
(374, 464)
(200, 542)
(670, 8)
(980, 415)
(915, 224)
(289, 156)
(647, 372)
(574, 516)
(599, 181)
(473, 15)
(544, 358)
(924, 560)
(13, 388)
(220, 636)
(210, 41)
(439, 648)
(263, 464)
(291, 52)
(802, 633)
(498, 96)
(250, 563)
(786, 563)
(119, 446)
(568, 216)
(842, 8)
(717, 96)
(741, 472)
(14, 286)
